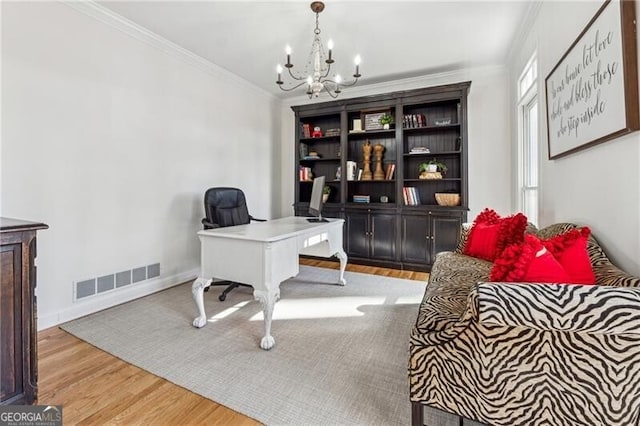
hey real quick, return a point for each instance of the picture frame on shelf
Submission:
(583, 110)
(371, 118)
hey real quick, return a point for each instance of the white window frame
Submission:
(526, 100)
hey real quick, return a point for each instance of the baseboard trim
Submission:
(108, 300)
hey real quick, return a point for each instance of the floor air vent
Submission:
(105, 283)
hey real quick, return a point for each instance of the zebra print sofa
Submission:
(526, 354)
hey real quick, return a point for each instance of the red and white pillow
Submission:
(560, 259)
(491, 234)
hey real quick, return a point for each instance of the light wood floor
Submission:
(96, 388)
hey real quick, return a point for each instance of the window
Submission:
(529, 76)
(528, 141)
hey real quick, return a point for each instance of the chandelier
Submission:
(316, 73)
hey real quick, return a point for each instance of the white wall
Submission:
(599, 186)
(489, 145)
(112, 142)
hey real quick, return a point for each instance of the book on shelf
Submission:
(411, 196)
(416, 196)
(413, 121)
(332, 132)
(359, 174)
(304, 150)
(419, 150)
(305, 174)
(306, 130)
(391, 167)
(361, 198)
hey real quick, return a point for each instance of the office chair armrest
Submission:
(257, 220)
(209, 225)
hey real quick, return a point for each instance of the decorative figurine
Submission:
(378, 149)
(366, 153)
(317, 133)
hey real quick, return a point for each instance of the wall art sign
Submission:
(592, 93)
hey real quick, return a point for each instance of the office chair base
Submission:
(231, 286)
(226, 291)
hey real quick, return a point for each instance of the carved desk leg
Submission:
(197, 289)
(343, 264)
(267, 299)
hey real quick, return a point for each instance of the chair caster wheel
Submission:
(222, 297)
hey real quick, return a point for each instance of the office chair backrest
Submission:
(226, 207)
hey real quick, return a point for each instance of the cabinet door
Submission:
(383, 236)
(445, 231)
(415, 239)
(11, 326)
(358, 234)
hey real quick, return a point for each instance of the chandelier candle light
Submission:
(317, 70)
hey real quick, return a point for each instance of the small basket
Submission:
(447, 199)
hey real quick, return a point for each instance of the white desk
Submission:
(263, 254)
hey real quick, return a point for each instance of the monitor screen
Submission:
(315, 204)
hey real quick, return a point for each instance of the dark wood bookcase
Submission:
(386, 231)
(19, 325)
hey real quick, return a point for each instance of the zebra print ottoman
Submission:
(527, 354)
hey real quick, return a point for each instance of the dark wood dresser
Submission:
(18, 321)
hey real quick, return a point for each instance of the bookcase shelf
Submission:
(433, 180)
(312, 160)
(372, 181)
(430, 154)
(373, 133)
(423, 129)
(321, 139)
(388, 233)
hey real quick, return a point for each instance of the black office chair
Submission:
(226, 207)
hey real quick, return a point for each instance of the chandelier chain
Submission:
(317, 30)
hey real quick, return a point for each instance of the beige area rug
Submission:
(340, 357)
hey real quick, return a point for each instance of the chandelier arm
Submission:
(343, 84)
(331, 81)
(291, 88)
(334, 96)
(327, 73)
(295, 77)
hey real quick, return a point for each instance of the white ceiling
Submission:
(396, 39)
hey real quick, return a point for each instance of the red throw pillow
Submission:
(539, 261)
(490, 234)
(570, 250)
(528, 262)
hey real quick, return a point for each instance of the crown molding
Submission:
(107, 16)
(426, 80)
(524, 28)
